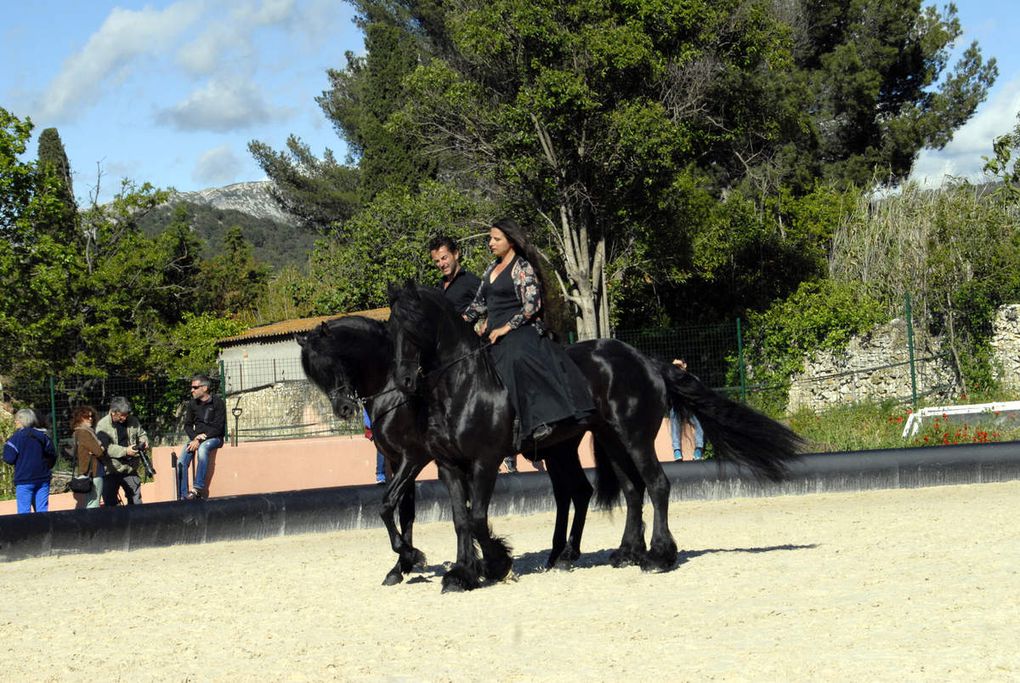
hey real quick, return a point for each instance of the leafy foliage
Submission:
(319, 191)
(956, 251)
(385, 242)
(820, 315)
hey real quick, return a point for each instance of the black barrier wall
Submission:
(351, 507)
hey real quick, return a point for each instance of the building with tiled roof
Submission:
(269, 354)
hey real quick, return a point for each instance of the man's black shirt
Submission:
(462, 290)
(209, 418)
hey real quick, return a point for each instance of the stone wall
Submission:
(873, 367)
(1006, 346)
(285, 409)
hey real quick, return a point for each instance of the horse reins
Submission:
(361, 400)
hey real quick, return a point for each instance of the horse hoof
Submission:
(393, 578)
(624, 558)
(459, 579)
(412, 561)
(497, 570)
(660, 558)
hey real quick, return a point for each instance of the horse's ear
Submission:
(393, 291)
(301, 339)
(324, 329)
(411, 289)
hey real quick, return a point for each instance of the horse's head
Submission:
(332, 362)
(413, 330)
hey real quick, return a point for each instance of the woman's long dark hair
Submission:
(523, 247)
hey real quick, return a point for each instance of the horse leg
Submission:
(662, 551)
(397, 494)
(632, 545)
(463, 575)
(407, 515)
(496, 556)
(562, 496)
(569, 485)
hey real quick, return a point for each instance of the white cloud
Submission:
(110, 54)
(204, 55)
(265, 13)
(221, 106)
(218, 166)
(962, 157)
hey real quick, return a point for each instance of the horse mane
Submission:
(346, 342)
(425, 314)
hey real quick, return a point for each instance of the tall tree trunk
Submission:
(584, 285)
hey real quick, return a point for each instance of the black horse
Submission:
(349, 359)
(471, 427)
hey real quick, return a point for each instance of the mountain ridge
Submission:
(252, 197)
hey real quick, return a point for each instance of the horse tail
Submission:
(738, 434)
(607, 485)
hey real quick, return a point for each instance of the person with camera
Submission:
(122, 436)
(205, 423)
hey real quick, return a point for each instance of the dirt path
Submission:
(890, 585)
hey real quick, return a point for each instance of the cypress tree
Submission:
(56, 172)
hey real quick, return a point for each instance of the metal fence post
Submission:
(223, 391)
(910, 350)
(53, 412)
(740, 363)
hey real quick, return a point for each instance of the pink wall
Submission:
(294, 464)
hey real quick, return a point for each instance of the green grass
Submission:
(866, 426)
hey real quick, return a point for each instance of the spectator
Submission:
(32, 453)
(380, 461)
(89, 454)
(688, 436)
(119, 433)
(205, 423)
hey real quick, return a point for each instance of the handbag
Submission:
(81, 483)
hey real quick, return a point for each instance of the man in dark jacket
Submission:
(205, 423)
(458, 285)
(31, 452)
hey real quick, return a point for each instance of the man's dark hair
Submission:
(443, 241)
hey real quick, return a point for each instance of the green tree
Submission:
(590, 119)
(873, 79)
(385, 242)
(56, 169)
(320, 192)
(38, 269)
(600, 121)
(820, 315)
(233, 281)
(1004, 166)
(359, 104)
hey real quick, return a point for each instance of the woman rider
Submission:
(544, 385)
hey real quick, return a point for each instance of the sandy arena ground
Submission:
(890, 585)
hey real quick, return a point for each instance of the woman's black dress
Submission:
(545, 386)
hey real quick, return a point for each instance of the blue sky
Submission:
(171, 92)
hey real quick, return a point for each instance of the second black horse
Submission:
(470, 428)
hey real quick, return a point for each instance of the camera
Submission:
(141, 450)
